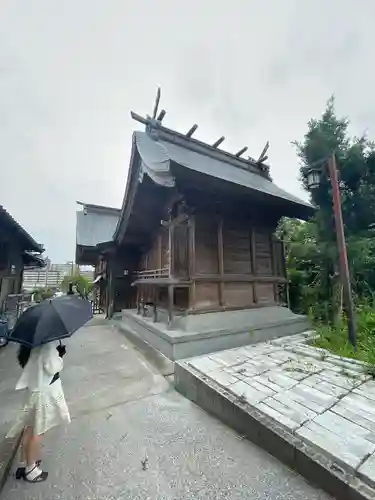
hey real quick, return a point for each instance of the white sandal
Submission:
(37, 479)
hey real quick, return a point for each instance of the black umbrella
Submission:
(51, 320)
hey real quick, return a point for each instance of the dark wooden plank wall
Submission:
(157, 257)
(206, 245)
(235, 264)
(231, 264)
(236, 248)
(180, 252)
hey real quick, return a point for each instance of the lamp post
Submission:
(313, 182)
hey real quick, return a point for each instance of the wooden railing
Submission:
(152, 273)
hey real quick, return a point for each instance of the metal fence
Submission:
(13, 307)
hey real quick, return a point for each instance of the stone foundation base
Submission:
(192, 335)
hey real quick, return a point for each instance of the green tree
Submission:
(312, 251)
(356, 169)
(305, 262)
(81, 283)
(42, 294)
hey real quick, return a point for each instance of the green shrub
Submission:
(335, 338)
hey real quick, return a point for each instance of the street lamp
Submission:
(313, 182)
(313, 178)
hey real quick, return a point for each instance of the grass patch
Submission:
(335, 338)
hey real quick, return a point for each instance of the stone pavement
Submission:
(313, 402)
(10, 401)
(9, 374)
(133, 437)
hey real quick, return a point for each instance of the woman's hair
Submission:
(23, 355)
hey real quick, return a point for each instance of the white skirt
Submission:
(43, 410)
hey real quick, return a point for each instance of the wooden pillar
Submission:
(253, 262)
(108, 291)
(155, 309)
(20, 282)
(274, 268)
(138, 300)
(171, 250)
(285, 272)
(192, 262)
(220, 253)
(143, 301)
(170, 304)
(160, 252)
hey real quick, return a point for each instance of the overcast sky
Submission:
(252, 70)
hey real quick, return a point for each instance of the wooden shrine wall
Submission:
(157, 257)
(220, 263)
(236, 265)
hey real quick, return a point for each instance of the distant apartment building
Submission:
(52, 275)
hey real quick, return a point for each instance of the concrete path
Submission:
(133, 437)
(314, 410)
(10, 399)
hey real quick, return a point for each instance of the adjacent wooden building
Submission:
(95, 247)
(18, 251)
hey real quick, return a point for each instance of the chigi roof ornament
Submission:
(154, 122)
(156, 130)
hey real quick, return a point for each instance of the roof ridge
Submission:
(185, 140)
(104, 208)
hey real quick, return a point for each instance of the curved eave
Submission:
(27, 241)
(213, 169)
(31, 261)
(86, 256)
(220, 172)
(99, 208)
(194, 181)
(130, 190)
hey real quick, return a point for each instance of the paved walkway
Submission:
(10, 399)
(306, 394)
(133, 437)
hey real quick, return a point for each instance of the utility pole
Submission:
(343, 257)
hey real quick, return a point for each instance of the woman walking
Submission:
(45, 406)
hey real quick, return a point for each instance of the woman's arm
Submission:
(52, 362)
